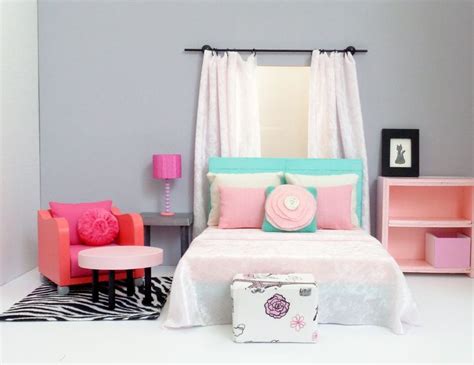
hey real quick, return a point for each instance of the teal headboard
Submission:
(303, 166)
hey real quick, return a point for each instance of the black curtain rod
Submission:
(350, 49)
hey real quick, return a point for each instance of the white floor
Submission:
(445, 302)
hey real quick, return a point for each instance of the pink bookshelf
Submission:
(408, 208)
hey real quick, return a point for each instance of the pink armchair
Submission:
(57, 259)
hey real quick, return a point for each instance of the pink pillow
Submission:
(241, 207)
(72, 212)
(290, 208)
(97, 227)
(334, 207)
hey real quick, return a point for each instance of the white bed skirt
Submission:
(360, 283)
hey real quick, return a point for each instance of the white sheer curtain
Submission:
(335, 126)
(227, 119)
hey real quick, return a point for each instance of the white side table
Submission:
(115, 258)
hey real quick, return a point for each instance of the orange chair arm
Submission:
(53, 247)
(130, 228)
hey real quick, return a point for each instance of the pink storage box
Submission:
(448, 251)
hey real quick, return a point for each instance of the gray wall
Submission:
(116, 87)
(19, 138)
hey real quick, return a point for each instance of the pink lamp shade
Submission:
(167, 166)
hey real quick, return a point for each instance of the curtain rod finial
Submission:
(350, 49)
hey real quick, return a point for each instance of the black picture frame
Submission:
(395, 152)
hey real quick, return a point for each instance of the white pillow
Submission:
(329, 180)
(255, 180)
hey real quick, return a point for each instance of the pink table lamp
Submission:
(167, 167)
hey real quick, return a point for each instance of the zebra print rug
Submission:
(44, 304)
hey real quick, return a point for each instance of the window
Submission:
(283, 103)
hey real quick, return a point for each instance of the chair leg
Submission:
(63, 290)
(44, 279)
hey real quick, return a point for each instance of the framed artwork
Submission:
(400, 152)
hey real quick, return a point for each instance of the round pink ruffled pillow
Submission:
(97, 227)
(290, 207)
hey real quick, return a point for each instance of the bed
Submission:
(360, 283)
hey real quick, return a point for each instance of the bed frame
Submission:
(303, 166)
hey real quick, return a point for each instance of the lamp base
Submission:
(167, 214)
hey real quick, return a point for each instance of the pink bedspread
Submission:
(360, 283)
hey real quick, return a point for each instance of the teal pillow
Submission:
(269, 227)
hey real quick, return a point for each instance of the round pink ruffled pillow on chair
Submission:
(97, 227)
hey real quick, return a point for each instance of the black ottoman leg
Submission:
(147, 285)
(130, 283)
(111, 289)
(95, 285)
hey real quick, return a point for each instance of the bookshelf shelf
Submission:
(421, 266)
(430, 222)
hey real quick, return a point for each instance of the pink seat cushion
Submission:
(334, 207)
(76, 270)
(72, 212)
(241, 207)
(97, 227)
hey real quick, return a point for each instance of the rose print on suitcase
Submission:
(277, 306)
(274, 308)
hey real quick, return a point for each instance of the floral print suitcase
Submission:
(274, 308)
